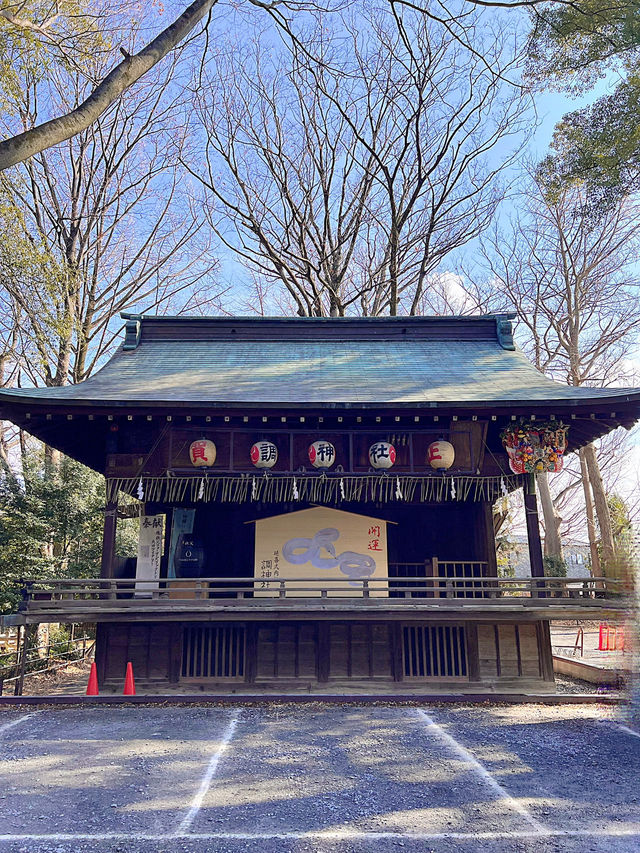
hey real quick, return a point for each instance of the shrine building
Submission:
(315, 501)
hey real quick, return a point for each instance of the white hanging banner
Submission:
(149, 554)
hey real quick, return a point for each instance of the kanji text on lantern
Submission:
(379, 451)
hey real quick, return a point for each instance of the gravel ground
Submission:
(575, 686)
(288, 778)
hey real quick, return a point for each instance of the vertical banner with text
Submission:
(149, 554)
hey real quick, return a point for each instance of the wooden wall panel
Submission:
(339, 651)
(381, 650)
(287, 645)
(146, 645)
(159, 651)
(266, 651)
(529, 658)
(487, 651)
(359, 651)
(139, 649)
(508, 651)
(116, 651)
(307, 651)
(287, 651)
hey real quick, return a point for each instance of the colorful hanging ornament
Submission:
(202, 453)
(264, 454)
(382, 455)
(441, 455)
(322, 454)
(535, 447)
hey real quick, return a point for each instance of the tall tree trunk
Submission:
(634, 708)
(552, 521)
(602, 508)
(596, 568)
(52, 458)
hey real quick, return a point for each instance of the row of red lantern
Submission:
(322, 454)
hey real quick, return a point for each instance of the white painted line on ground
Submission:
(339, 834)
(622, 727)
(482, 771)
(13, 723)
(190, 816)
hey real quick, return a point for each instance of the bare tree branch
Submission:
(34, 140)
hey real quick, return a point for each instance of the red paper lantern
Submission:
(202, 453)
(441, 455)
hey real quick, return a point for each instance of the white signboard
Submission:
(149, 554)
(317, 546)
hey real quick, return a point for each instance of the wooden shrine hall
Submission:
(315, 500)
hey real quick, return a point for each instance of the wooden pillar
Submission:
(533, 526)
(101, 650)
(473, 652)
(546, 652)
(251, 653)
(395, 632)
(109, 539)
(324, 651)
(489, 540)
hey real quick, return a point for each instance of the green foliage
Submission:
(505, 569)
(51, 523)
(598, 148)
(573, 45)
(621, 568)
(554, 567)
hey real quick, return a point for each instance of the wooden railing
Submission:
(41, 594)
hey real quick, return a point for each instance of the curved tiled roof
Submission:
(306, 361)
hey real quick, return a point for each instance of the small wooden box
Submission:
(187, 589)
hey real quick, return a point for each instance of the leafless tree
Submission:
(349, 179)
(285, 188)
(98, 226)
(574, 286)
(458, 18)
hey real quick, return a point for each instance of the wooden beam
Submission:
(109, 539)
(103, 633)
(395, 636)
(533, 527)
(175, 652)
(251, 653)
(546, 652)
(473, 654)
(324, 644)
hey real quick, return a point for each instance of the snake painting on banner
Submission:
(317, 545)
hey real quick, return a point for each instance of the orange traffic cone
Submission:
(602, 637)
(92, 686)
(129, 683)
